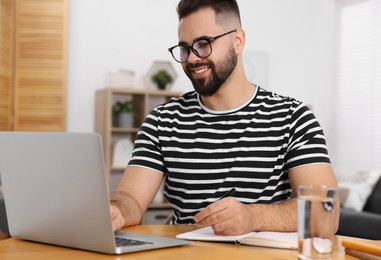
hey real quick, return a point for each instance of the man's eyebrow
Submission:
(183, 44)
(204, 37)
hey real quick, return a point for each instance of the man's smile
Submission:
(199, 71)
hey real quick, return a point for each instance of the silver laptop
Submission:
(56, 192)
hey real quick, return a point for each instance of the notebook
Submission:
(285, 240)
(56, 192)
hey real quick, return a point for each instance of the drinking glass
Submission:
(316, 221)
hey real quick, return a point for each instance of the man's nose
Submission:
(193, 57)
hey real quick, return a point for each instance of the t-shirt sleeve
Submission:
(307, 143)
(147, 150)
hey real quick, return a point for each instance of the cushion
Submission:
(343, 195)
(358, 190)
(359, 224)
(374, 200)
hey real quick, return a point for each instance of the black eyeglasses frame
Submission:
(190, 48)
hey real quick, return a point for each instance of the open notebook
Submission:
(287, 240)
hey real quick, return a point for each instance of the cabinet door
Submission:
(40, 65)
(6, 50)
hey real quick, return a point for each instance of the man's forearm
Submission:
(281, 217)
(128, 206)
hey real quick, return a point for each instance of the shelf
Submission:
(117, 169)
(146, 92)
(162, 205)
(125, 130)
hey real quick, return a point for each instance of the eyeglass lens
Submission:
(201, 48)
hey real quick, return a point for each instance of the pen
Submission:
(229, 193)
(225, 195)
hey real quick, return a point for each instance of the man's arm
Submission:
(230, 217)
(316, 174)
(132, 196)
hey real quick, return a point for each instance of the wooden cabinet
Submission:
(7, 13)
(143, 101)
(33, 65)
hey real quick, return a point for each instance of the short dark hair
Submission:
(227, 8)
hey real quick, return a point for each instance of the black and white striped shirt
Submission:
(204, 153)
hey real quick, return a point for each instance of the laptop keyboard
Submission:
(122, 242)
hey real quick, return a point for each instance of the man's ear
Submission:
(239, 41)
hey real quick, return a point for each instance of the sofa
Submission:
(365, 223)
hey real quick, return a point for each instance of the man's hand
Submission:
(227, 217)
(116, 218)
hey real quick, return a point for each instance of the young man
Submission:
(226, 134)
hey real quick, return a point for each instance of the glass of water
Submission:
(316, 221)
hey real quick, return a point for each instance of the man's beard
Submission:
(219, 74)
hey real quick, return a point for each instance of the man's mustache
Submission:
(197, 65)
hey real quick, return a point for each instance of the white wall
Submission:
(105, 36)
(296, 36)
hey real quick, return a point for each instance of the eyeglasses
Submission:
(202, 48)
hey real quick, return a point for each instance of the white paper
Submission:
(268, 239)
(207, 234)
(272, 239)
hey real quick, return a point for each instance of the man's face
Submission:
(207, 74)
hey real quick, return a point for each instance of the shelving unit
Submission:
(143, 101)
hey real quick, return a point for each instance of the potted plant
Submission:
(123, 114)
(162, 78)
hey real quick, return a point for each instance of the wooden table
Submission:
(19, 249)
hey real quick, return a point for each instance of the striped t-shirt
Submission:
(205, 153)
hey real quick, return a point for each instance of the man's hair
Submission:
(225, 10)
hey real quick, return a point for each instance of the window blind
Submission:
(358, 118)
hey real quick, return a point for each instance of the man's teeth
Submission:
(200, 71)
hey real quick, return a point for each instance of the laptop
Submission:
(55, 191)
